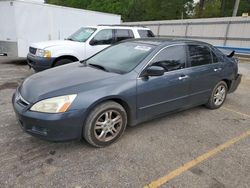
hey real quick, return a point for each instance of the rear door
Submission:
(160, 94)
(204, 74)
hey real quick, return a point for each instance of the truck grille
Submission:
(32, 50)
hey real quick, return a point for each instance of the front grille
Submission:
(21, 101)
(38, 130)
(32, 50)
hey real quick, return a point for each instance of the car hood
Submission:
(52, 43)
(67, 79)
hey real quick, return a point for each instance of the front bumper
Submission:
(235, 83)
(39, 63)
(53, 127)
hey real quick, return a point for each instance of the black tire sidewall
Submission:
(62, 62)
(88, 130)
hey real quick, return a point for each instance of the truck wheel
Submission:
(105, 124)
(218, 96)
(62, 62)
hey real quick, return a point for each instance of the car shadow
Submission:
(14, 61)
(164, 118)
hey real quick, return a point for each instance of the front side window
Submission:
(171, 58)
(123, 34)
(121, 58)
(145, 33)
(199, 55)
(103, 37)
(82, 34)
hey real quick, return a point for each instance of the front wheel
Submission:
(105, 124)
(218, 95)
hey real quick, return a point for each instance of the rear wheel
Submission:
(218, 95)
(105, 124)
(62, 62)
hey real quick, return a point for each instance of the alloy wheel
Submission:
(219, 95)
(108, 125)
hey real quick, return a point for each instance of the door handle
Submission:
(182, 77)
(217, 69)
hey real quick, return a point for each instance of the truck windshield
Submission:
(82, 34)
(121, 58)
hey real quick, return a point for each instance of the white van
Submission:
(81, 45)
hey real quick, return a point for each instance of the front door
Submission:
(103, 39)
(169, 92)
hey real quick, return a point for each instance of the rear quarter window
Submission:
(220, 56)
(216, 58)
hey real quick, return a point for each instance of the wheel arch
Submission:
(71, 57)
(228, 82)
(116, 99)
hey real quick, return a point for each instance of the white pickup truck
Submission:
(81, 45)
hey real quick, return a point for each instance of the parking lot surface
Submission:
(194, 148)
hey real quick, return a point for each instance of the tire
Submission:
(217, 101)
(62, 62)
(100, 129)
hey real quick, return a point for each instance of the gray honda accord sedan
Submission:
(125, 84)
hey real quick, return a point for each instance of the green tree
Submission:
(110, 6)
(218, 8)
(244, 7)
(134, 10)
(70, 3)
(143, 10)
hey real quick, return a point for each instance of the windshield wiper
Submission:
(98, 66)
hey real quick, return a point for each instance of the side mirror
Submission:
(154, 71)
(93, 42)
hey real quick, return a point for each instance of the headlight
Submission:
(43, 53)
(54, 105)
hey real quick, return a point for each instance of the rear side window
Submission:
(171, 58)
(145, 33)
(199, 55)
(123, 34)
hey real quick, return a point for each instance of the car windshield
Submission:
(121, 58)
(82, 34)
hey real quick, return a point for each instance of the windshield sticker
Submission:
(143, 48)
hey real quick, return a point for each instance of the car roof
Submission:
(119, 27)
(157, 41)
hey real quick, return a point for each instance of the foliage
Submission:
(134, 10)
(142, 10)
(213, 8)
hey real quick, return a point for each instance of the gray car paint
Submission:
(143, 98)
